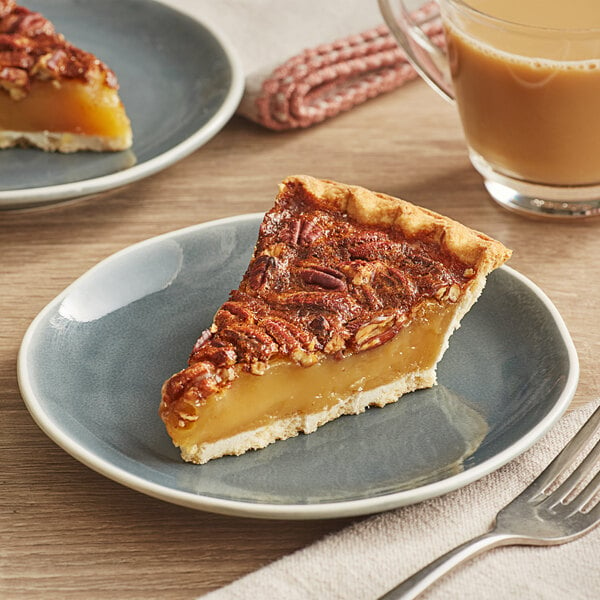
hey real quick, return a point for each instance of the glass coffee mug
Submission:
(526, 83)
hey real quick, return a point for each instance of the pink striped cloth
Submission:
(321, 82)
(303, 61)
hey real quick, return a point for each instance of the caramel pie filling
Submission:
(285, 390)
(69, 107)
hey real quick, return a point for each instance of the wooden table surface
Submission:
(67, 532)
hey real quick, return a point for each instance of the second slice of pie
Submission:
(53, 95)
(348, 302)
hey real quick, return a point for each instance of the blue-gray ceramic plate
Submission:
(180, 83)
(92, 363)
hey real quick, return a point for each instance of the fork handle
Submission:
(421, 580)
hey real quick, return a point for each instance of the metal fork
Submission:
(539, 516)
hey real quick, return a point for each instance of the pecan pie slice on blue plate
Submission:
(348, 302)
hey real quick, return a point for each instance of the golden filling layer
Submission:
(72, 107)
(286, 390)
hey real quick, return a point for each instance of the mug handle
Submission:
(428, 60)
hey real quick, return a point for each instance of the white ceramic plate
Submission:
(180, 83)
(92, 363)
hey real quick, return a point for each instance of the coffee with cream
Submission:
(529, 100)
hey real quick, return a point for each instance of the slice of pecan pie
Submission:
(52, 94)
(348, 302)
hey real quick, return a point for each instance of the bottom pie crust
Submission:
(51, 141)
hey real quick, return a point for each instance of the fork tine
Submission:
(577, 476)
(588, 492)
(594, 514)
(568, 453)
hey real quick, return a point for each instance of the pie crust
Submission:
(53, 95)
(348, 302)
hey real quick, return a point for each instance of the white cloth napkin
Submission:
(368, 558)
(305, 61)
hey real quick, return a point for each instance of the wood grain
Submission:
(67, 532)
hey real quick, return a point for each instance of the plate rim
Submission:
(300, 511)
(39, 196)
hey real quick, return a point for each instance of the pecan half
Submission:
(16, 58)
(334, 302)
(281, 334)
(221, 356)
(204, 337)
(250, 342)
(302, 232)
(33, 24)
(408, 285)
(292, 232)
(369, 297)
(375, 333)
(325, 277)
(259, 270)
(309, 232)
(235, 311)
(368, 248)
(192, 382)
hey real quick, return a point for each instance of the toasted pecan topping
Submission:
(31, 49)
(332, 286)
